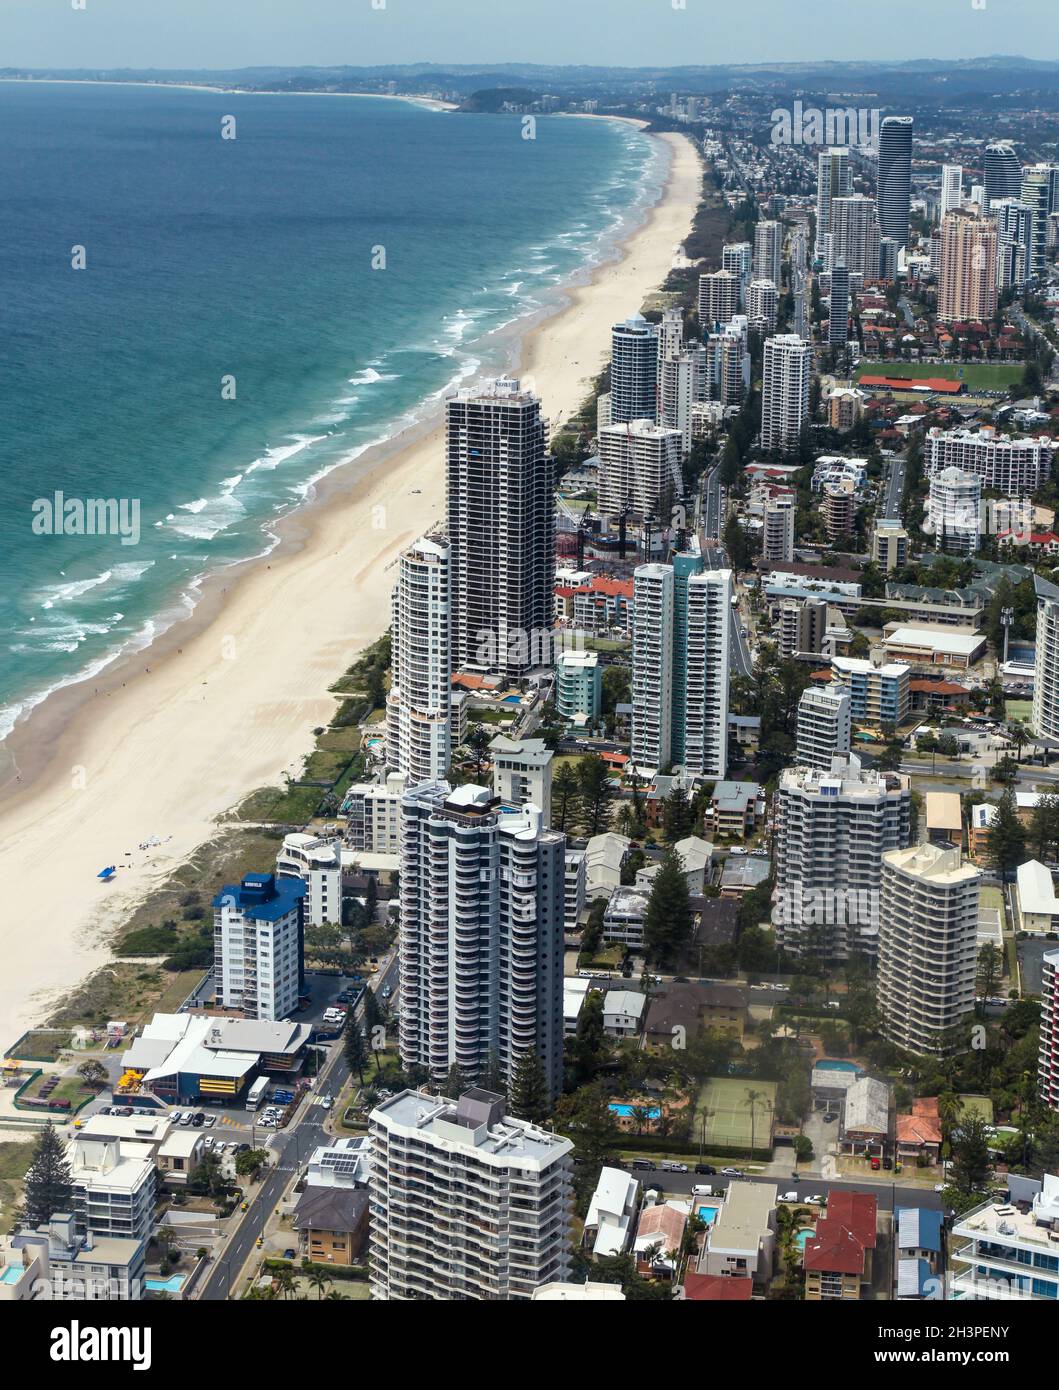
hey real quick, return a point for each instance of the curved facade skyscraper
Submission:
(894, 191)
(1003, 172)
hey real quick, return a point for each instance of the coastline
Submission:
(434, 103)
(147, 750)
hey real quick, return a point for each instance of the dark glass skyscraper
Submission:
(894, 191)
(1003, 172)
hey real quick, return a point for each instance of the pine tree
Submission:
(48, 1188)
(668, 922)
(356, 1053)
(676, 815)
(596, 793)
(455, 1083)
(1006, 844)
(529, 1098)
(566, 798)
(491, 1077)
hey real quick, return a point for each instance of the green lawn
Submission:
(985, 376)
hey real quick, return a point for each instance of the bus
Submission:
(256, 1093)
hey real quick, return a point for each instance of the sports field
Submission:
(982, 376)
(725, 1104)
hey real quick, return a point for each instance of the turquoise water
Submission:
(803, 1237)
(626, 1111)
(173, 1284)
(831, 1064)
(339, 265)
(11, 1274)
(707, 1214)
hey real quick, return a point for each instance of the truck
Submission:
(256, 1093)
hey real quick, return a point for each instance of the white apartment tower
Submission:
(928, 944)
(481, 943)
(951, 188)
(1048, 1054)
(832, 829)
(785, 391)
(967, 270)
(768, 251)
(762, 305)
(953, 508)
(466, 1203)
(316, 861)
(824, 726)
(834, 179)
(258, 931)
(418, 704)
(855, 236)
(1045, 716)
(501, 529)
(681, 666)
(720, 295)
(634, 356)
(639, 466)
(777, 534)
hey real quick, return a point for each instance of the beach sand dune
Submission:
(226, 701)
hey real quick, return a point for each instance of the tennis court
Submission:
(725, 1105)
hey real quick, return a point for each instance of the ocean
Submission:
(251, 313)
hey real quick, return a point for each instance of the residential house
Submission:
(332, 1223)
(604, 856)
(866, 1118)
(623, 1013)
(715, 1288)
(660, 1228)
(611, 1213)
(180, 1155)
(741, 1242)
(838, 1256)
(917, 1252)
(919, 1134)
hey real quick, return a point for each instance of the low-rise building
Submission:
(623, 1013)
(332, 1223)
(623, 921)
(611, 1213)
(60, 1263)
(1036, 905)
(919, 1134)
(866, 1118)
(180, 1155)
(659, 1236)
(733, 810)
(741, 1242)
(113, 1188)
(838, 1256)
(604, 856)
(917, 1252)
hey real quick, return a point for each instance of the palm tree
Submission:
(752, 1098)
(319, 1279)
(285, 1280)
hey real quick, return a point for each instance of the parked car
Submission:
(790, 1197)
(830, 1117)
(290, 1254)
(209, 1141)
(816, 1200)
(176, 1116)
(642, 1163)
(705, 1168)
(209, 1120)
(668, 1167)
(732, 1172)
(186, 1118)
(876, 1164)
(198, 1119)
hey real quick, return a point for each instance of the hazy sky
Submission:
(238, 33)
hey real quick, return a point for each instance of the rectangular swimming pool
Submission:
(626, 1111)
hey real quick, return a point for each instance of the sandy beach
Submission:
(165, 742)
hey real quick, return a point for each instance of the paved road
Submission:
(886, 1191)
(292, 1147)
(895, 489)
(711, 510)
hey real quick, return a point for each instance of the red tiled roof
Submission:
(834, 1248)
(605, 585)
(918, 1129)
(857, 1211)
(717, 1288)
(938, 687)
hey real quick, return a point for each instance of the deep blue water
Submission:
(250, 259)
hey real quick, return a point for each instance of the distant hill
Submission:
(495, 98)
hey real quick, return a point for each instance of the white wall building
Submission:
(481, 943)
(466, 1203)
(639, 466)
(522, 773)
(785, 391)
(258, 946)
(928, 944)
(824, 726)
(953, 510)
(418, 704)
(316, 860)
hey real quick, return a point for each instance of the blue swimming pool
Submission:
(625, 1111)
(11, 1274)
(173, 1284)
(511, 700)
(833, 1064)
(802, 1237)
(707, 1214)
